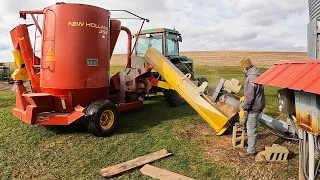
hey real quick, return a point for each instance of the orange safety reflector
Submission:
(50, 55)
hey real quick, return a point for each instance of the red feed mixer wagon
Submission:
(71, 80)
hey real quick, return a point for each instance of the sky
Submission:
(205, 25)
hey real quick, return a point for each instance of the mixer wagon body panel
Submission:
(115, 28)
(75, 54)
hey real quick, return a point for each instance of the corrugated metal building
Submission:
(301, 75)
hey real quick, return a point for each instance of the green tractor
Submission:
(166, 41)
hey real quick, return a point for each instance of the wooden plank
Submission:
(162, 174)
(125, 166)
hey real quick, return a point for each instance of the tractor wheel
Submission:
(173, 98)
(103, 118)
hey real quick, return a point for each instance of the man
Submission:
(252, 105)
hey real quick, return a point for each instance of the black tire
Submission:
(95, 124)
(91, 109)
(173, 98)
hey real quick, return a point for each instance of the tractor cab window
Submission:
(172, 45)
(144, 43)
(156, 42)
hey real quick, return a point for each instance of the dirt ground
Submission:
(229, 58)
(220, 151)
(4, 86)
(224, 58)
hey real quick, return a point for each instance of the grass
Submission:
(50, 152)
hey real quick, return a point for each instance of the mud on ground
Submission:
(219, 150)
(4, 86)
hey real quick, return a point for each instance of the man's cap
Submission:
(244, 63)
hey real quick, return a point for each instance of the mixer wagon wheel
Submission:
(103, 118)
(173, 98)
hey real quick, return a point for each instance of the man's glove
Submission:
(241, 99)
(243, 116)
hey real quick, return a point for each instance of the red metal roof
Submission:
(302, 75)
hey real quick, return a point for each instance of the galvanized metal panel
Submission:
(312, 39)
(286, 101)
(307, 111)
(314, 9)
(301, 75)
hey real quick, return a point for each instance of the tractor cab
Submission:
(166, 41)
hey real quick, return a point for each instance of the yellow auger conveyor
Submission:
(217, 115)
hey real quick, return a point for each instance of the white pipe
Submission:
(311, 156)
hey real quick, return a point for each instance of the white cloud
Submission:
(205, 25)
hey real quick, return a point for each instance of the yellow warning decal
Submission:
(50, 55)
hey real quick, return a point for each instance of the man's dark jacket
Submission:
(254, 98)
